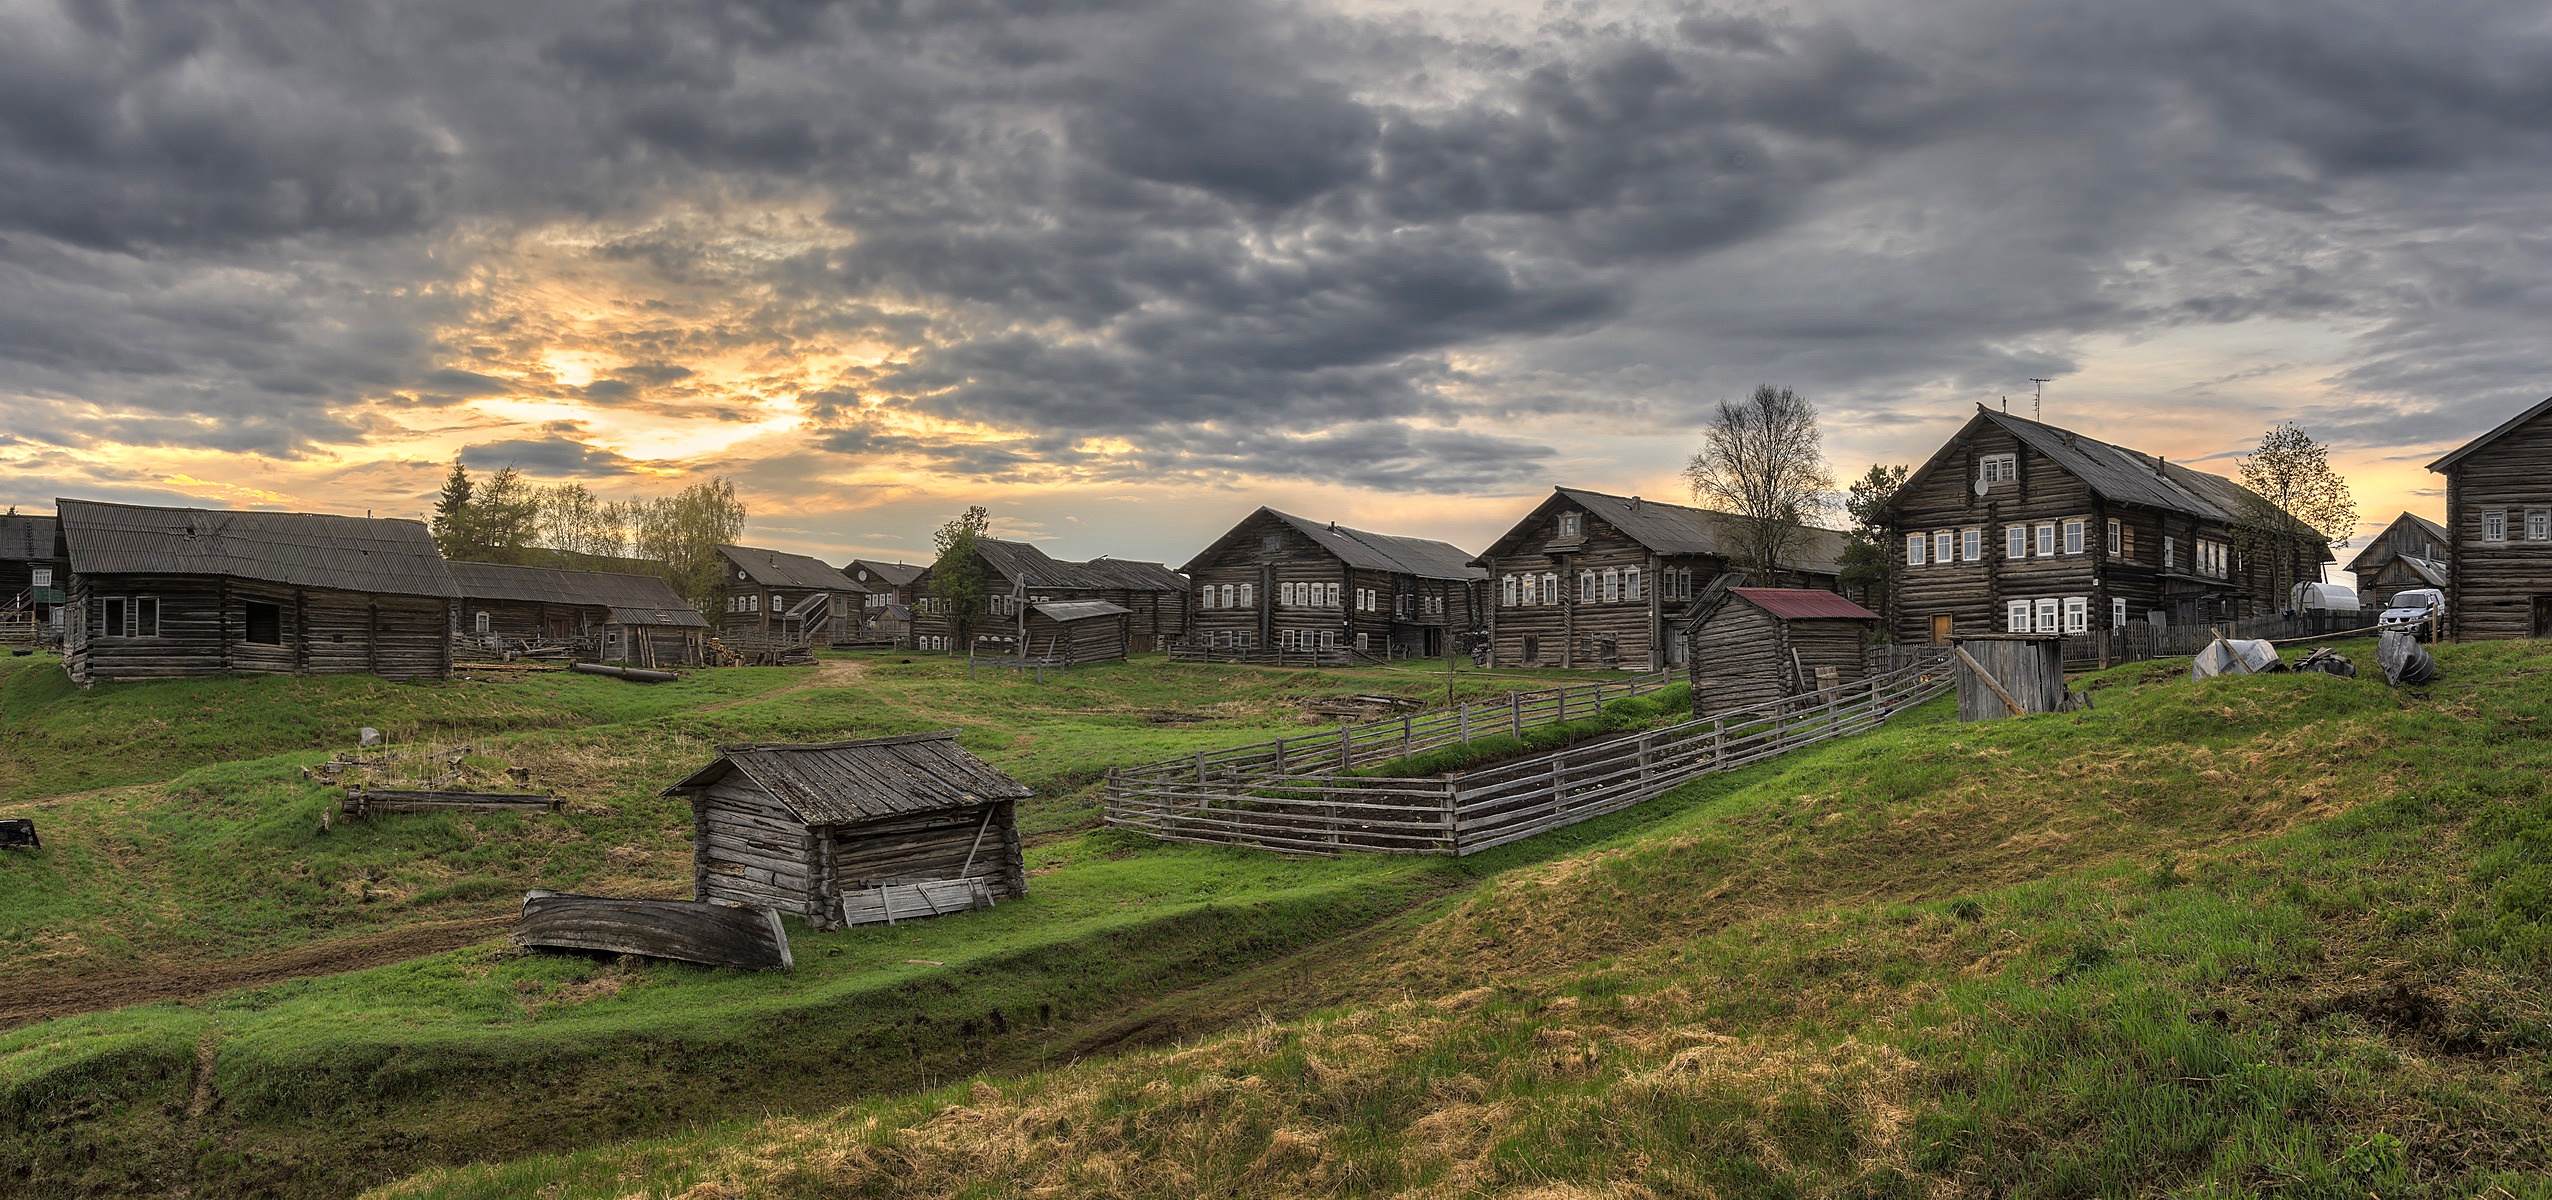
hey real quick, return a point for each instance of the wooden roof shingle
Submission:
(385, 555)
(843, 783)
(632, 599)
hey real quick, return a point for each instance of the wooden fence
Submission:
(1326, 811)
(2137, 642)
(1348, 747)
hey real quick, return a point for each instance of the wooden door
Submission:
(1940, 629)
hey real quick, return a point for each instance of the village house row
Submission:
(2012, 526)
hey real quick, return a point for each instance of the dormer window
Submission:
(1572, 524)
(1998, 468)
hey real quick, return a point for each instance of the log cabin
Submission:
(2409, 553)
(1748, 646)
(801, 827)
(1276, 580)
(600, 615)
(2499, 530)
(887, 598)
(160, 592)
(1017, 576)
(1589, 580)
(2017, 526)
(33, 577)
(772, 596)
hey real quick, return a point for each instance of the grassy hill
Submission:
(2281, 936)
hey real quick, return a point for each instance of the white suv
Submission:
(2414, 611)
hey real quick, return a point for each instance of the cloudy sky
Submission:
(1122, 269)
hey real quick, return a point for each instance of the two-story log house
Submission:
(772, 595)
(2019, 526)
(1280, 581)
(2499, 530)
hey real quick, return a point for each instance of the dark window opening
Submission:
(265, 624)
(1532, 648)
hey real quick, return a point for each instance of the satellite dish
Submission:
(1980, 485)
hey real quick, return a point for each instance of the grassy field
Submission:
(2281, 936)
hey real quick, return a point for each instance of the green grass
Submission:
(2265, 937)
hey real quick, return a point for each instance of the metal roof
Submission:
(1678, 528)
(842, 783)
(2511, 425)
(1366, 550)
(632, 599)
(779, 568)
(356, 554)
(24, 537)
(1079, 610)
(1803, 604)
(890, 574)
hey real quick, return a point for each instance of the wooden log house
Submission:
(33, 576)
(886, 601)
(159, 592)
(798, 827)
(2409, 553)
(1748, 646)
(1018, 577)
(1280, 581)
(2499, 530)
(773, 597)
(2017, 526)
(601, 615)
(1588, 580)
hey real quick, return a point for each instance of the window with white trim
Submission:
(1362, 642)
(2073, 537)
(2047, 540)
(1630, 583)
(481, 622)
(2015, 541)
(1915, 544)
(1944, 549)
(2016, 617)
(1532, 590)
(1612, 585)
(2048, 613)
(1971, 545)
(1249, 595)
(1998, 468)
(2538, 524)
(1572, 524)
(2117, 538)
(2077, 614)
(40, 577)
(2170, 554)
(2494, 525)
(1586, 587)
(1230, 593)
(1551, 587)
(2117, 612)
(1329, 595)
(1329, 639)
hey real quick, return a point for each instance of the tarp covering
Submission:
(2403, 661)
(2235, 656)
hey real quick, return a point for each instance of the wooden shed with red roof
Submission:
(1748, 645)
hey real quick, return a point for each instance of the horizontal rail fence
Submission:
(1329, 811)
(1348, 747)
(2136, 642)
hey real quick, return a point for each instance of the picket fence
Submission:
(1326, 811)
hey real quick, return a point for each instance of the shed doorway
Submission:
(2543, 616)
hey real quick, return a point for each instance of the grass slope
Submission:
(2282, 936)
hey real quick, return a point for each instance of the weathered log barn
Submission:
(887, 599)
(2409, 553)
(775, 596)
(33, 576)
(2499, 530)
(797, 827)
(1750, 645)
(159, 592)
(1282, 581)
(1018, 576)
(2015, 526)
(608, 617)
(1587, 579)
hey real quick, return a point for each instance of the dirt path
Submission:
(61, 994)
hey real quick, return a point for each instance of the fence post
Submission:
(1462, 722)
(1515, 712)
(1200, 768)
(1280, 756)
(1453, 816)
(1408, 740)
(1346, 746)
(1718, 744)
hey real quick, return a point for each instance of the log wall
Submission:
(1563, 631)
(2500, 589)
(747, 848)
(204, 629)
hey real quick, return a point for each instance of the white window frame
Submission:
(1362, 642)
(1944, 547)
(2117, 537)
(2170, 553)
(2494, 525)
(40, 577)
(2016, 616)
(1249, 595)
(2076, 537)
(2046, 539)
(1971, 545)
(2050, 611)
(1551, 587)
(1613, 585)
(480, 622)
(1511, 591)
(1329, 639)
(1915, 544)
(1630, 583)
(2015, 541)
(2117, 612)
(1572, 524)
(2538, 524)
(1231, 592)
(2077, 614)
(1329, 595)
(1998, 468)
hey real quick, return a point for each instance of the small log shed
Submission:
(796, 826)
(1748, 645)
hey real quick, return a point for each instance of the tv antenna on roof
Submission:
(2038, 403)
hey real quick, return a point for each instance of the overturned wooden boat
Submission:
(694, 931)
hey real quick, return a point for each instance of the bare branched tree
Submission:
(1763, 464)
(2302, 499)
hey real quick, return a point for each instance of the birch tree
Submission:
(1762, 464)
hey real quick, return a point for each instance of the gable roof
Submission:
(1803, 604)
(779, 568)
(890, 574)
(1131, 575)
(2429, 570)
(2511, 425)
(1675, 528)
(1366, 550)
(838, 783)
(26, 537)
(1078, 610)
(1021, 561)
(2115, 473)
(2365, 558)
(356, 554)
(632, 599)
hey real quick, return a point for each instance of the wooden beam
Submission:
(2013, 706)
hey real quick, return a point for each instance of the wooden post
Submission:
(1408, 739)
(1346, 746)
(1515, 712)
(1462, 722)
(1992, 684)
(1200, 768)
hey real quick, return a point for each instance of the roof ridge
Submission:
(943, 735)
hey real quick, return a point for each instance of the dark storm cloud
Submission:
(1250, 238)
(545, 456)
